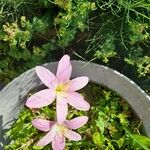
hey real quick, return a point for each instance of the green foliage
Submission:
(22, 130)
(98, 139)
(14, 9)
(115, 31)
(16, 53)
(129, 23)
(106, 50)
(73, 19)
(138, 31)
(111, 125)
(31, 29)
(139, 141)
(142, 64)
(138, 55)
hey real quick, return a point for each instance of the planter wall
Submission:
(14, 94)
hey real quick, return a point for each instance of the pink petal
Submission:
(46, 139)
(47, 77)
(42, 124)
(64, 69)
(77, 101)
(58, 143)
(61, 109)
(71, 135)
(76, 122)
(41, 99)
(78, 83)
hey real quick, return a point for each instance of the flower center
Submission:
(62, 89)
(60, 129)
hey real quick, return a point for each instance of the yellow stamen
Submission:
(60, 129)
(62, 89)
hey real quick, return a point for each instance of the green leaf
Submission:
(15, 53)
(139, 140)
(49, 46)
(98, 138)
(26, 54)
(37, 147)
(35, 60)
(5, 62)
(120, 142)
(100, 123)
(142, 139)
(39, 25)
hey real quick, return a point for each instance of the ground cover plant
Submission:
(111, 125)
(114, 33)
(123, 33)
(31, 30)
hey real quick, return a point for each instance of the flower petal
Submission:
(76, 122)
(47, 138)
(77, 101)
(78, 83)
(58, 142)
(42, 124)
(64, 69)
(41, 99)
(47, 77)
(61, 109)
(71, 135)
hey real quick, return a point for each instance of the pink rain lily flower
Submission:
(61, 88)
(58, 132)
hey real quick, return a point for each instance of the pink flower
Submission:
(61, 88)
(58, 132)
